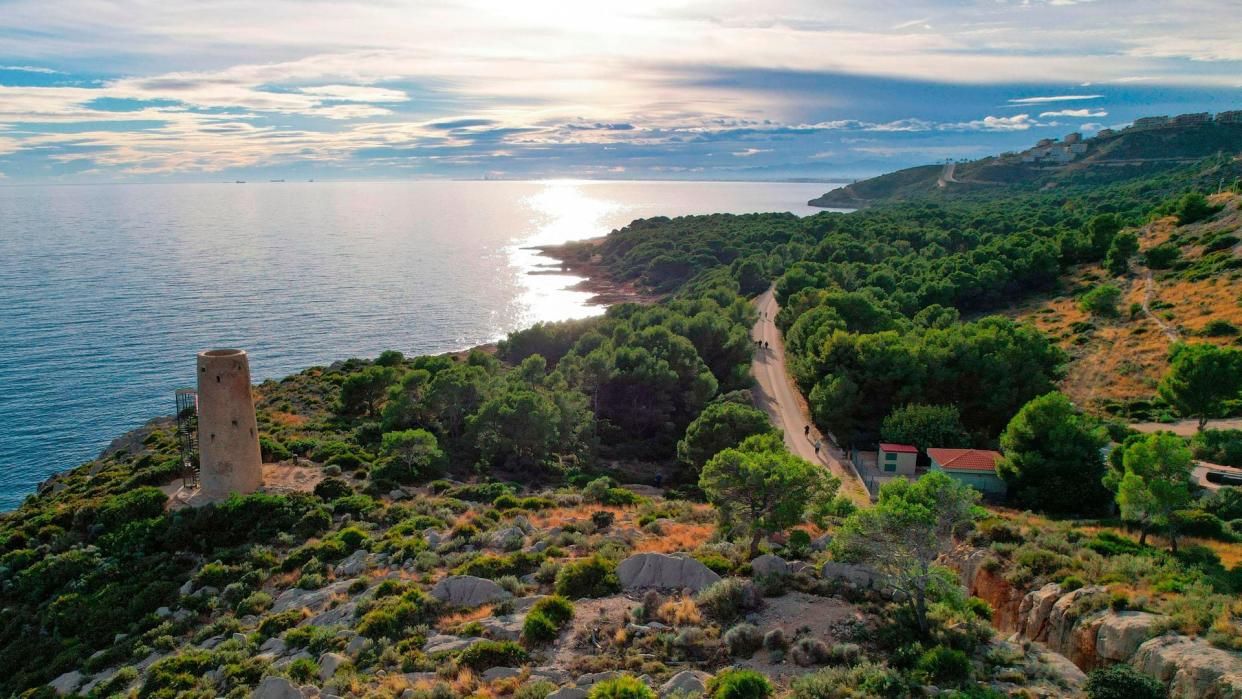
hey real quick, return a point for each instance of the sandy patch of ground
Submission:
(285, 478)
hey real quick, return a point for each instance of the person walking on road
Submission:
(806, 431)
(818, 444)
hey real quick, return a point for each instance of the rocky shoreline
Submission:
(577, 259)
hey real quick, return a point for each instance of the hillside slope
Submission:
(1116, 362)
(1114, 157)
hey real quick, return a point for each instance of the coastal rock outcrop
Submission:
(1079, 626)
(658, 570)
(1191, 667)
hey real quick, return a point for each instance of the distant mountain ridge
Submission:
(1150, 146)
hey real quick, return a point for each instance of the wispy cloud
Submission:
(1076, 113)
(1053, 98)
(30, 69)
(183, 86)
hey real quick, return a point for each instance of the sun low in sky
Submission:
(152, 90)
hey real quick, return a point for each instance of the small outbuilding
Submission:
(973, 467)
(897, 459)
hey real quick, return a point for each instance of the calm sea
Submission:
(107, 292)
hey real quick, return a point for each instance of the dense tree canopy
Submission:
(1202, 378)
(910, 526)
(1052, 458)
(760, 488)
(1155, 483)
(721, 425)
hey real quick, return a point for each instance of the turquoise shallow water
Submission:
(107, 292)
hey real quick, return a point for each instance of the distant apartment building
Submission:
(1072, 138)
(1106, 133)
(1234, 117)
(1151, 122)
(1192, 119)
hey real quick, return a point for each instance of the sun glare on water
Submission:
(563, 210)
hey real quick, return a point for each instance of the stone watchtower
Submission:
(228, 435)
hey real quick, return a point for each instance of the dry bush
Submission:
(680, 612)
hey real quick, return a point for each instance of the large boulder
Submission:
(769, 565)
(329, 663)
(67, 683)
(276, 688)
(314, 600)
(568, 693)
(1121, 634)
(858, 576)
(504, 628)
(447, 644)
(468, 591)
(1067, 612)
(685, 683)
(354, 564)
(1034, 611)
(500, 673)
(662, 571)
(1190, 667)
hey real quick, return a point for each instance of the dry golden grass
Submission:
(677, 537)
(288, 419)
(680, 612)
(560, 516)
(456, 619)
(1124, 358)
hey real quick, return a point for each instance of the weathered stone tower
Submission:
(228, 435)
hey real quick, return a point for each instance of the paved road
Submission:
(779, 398)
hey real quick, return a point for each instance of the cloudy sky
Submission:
(206, 90)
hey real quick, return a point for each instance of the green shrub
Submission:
(272, 450)
(303, 670)
(393, 617)
(332, 488)
(255, 603)
(604, 491)
(945, 665)
(277, 624)
(1202, 524)
(534, 690)
(730, 598)
(592, 577)
(546, 618)
(492, 567)
(623, 687)
(1162, 256)
(488, 654)
(743, 640)
(1101, 301)
(1193, 207)
(1122, 682)
(739, 684)
(1219, 447)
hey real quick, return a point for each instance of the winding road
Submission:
(776, 395)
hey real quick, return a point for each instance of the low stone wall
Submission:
(1079, 625)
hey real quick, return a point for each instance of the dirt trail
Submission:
(1148, 295)
(776, 394)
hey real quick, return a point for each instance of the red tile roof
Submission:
(900, 448)
(965, 459)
